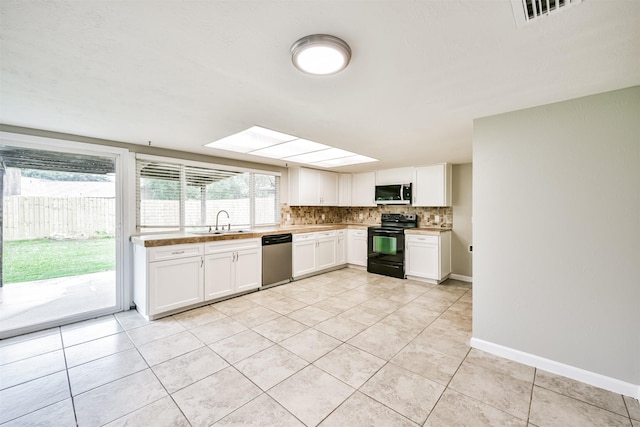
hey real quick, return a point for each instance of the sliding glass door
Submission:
(61, 248)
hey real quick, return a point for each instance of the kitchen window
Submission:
(173, 195)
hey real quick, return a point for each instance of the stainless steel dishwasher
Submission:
(276, 259)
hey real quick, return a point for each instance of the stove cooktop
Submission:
(391, 220)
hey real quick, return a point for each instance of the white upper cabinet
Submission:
(363, 189)
(432, 185)
(312, 187)
(394, 176)
(344, 190)
(303, 187)
(328, 188)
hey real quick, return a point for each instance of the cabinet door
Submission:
(394, 176)
(432, 186)
(248, 269)
(357, 247)
(304, 257)
(303, 187)
(174, 284)
(363, 189)
(326, 253)
(328, 188)
(344, 189)
(309, 186)
(219, 275)
(341, 248)
(423, 260)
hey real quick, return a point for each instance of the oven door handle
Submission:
(387, 232)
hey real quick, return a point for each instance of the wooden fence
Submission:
(38, 217)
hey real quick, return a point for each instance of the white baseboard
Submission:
(592, 378)
(422, 279)
(461, 277)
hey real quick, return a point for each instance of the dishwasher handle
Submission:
(276, 239)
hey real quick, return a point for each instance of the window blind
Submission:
(176, 196)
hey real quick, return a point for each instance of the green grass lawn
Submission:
(38, 259)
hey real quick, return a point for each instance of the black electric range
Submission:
(385, 252)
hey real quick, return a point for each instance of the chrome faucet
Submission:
(218, 214)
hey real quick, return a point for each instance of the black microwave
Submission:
(397, 194)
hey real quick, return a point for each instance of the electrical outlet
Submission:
(437, 220)
(470, 248)
(361, 217)
(288, 217)
(322, 217)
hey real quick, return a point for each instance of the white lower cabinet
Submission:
(304, 254)
(428, 257)
(174, 284)
(326, 249)
(341, 247)
(232, 267)
(219, 269)
(314, 252)
(357, 247)
(168, 278)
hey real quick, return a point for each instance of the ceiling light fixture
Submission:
(320, 54)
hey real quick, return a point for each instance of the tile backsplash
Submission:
(305, 215)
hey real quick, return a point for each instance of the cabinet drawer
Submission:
(231, 245)
(341, 232)
(417, 238)
(162, 253)
(359, 233)
(304, 236)
(323, 234)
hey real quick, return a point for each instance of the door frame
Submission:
(123, 229)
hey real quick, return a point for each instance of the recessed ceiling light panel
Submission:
(319, 156)
(266, 143)
(320, 54)
(344, 161)
(290, 148)
(251, 139)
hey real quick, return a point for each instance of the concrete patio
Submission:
(28, 303)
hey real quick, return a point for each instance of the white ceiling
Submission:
(185, 73)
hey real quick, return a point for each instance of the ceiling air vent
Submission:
(531, 10)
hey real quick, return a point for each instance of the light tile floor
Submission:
(346, 348)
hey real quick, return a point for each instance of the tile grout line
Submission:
(262, 392)
(387, 315)
(345, 342)
(387, 362)
(533, 386)
(589, 403)
(66, 369)
(446, 387)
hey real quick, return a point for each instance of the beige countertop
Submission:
(433, 231)
(154, 240)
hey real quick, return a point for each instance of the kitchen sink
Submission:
(220, 232)
(237, 231)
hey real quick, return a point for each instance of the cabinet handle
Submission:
(201, 262)
(177, 252)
